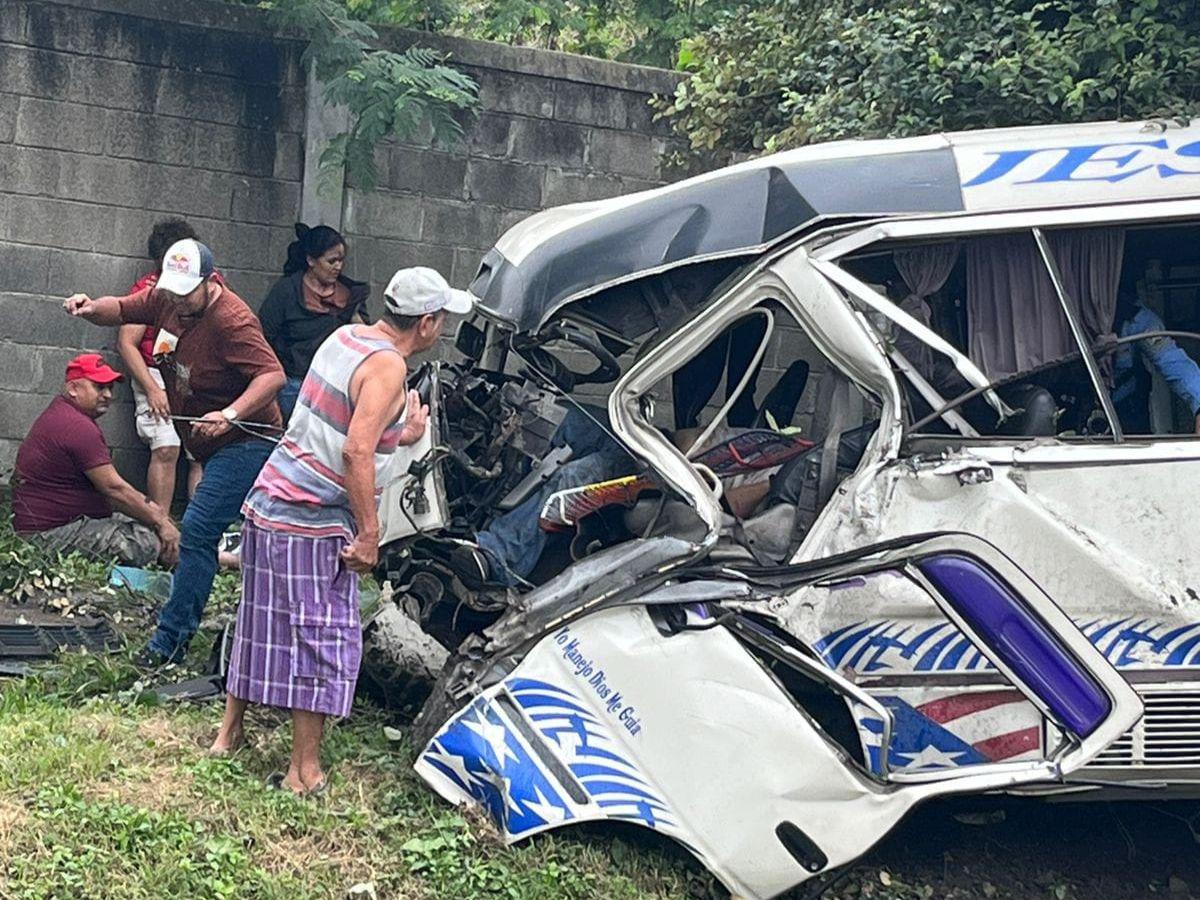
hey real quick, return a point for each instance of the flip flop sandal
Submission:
(274, 782)
(319, 791)
(225, 754)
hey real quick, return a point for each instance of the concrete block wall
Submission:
(110, 121)
(553, 129)
(115, 113)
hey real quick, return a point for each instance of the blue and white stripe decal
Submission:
(890, 646)
(481, 756)
(591, 753)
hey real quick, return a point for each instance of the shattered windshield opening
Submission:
(996, 301)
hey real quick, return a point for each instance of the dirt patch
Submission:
(13, 819)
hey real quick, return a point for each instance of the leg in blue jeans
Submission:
(514, 541)
(287, 398)
(228, 476)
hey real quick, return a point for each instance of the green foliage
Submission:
(386, 93)
(795, 72)
(649, 32)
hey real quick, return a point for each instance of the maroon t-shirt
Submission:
(50, 485)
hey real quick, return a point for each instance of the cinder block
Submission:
(505, 183)
(244, 150)
(589, 104)
(34, 72)
(460, 224)
(382, 214)
(376, 260)
(63, 126)
(161, 139)
(426, 172)
(252, 285)
(131, 463)
(21, 368)
(466, 266)
(18, 410)
(28, 171)
(8, 116)
(293, 102)
(23, 268)
(57, 223)
(240, 246)
(249, 58)
(93, 273)
(263, 107)
(526, 95)
(36, 318)
(271, 202)
(83, 31)
(489, 136)
(8, 457)
(578, 187)
(12, 23)
(114, 85)
(625, 154)
(207, 98)
(551, 143)
(289, 157)
(120, 430)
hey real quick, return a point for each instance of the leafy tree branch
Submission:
(385, 93)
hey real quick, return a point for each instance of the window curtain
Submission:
(1013, 312)
(924, 270)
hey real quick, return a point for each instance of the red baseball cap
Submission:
(92, 367)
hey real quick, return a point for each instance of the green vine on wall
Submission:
(386, 93)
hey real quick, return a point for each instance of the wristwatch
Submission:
(230, 414)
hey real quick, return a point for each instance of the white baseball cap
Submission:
(185, 264)
(420, 290)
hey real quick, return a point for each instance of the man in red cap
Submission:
(65, 487)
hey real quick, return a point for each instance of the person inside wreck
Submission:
(312, 522)
(221, 379)
(311, 301)
(67, 495)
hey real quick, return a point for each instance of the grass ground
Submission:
(107, 793)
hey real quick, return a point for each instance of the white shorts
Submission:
(154, 432)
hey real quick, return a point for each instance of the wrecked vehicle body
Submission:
(969, 573)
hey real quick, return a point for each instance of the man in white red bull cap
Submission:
(221, 378)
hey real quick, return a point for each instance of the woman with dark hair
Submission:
(311, 301)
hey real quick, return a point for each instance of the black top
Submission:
(295, 331)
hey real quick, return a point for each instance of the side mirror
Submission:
(470, 340)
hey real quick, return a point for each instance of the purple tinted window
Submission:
(1021, 640)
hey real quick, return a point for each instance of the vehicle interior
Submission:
(1135, 295)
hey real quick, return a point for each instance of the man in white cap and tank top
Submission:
(312, 523)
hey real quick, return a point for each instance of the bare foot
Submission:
(313, 779)
(227, 743)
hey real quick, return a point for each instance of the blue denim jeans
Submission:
(228, 476)
(287, 398)
(514, 541)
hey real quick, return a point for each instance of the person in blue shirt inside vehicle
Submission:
(1134, 361)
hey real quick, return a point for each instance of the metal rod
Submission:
(1072, 314)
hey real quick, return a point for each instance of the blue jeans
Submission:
(287, 398)
(514, 541)
(228, 476)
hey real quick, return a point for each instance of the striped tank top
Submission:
(302, 487)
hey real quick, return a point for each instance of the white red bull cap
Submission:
(420, 290)
(185, 264)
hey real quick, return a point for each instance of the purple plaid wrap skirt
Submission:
(298, 640)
